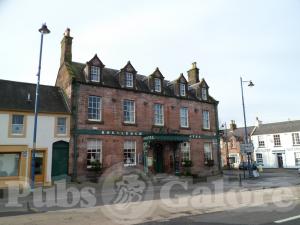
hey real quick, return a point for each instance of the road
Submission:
(266, 215)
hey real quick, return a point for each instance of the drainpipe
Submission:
(75, 135)
(218, 136)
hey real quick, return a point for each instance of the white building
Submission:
(17, 102)
(277, 145)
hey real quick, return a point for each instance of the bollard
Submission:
(240, 180)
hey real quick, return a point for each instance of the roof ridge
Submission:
(23, 82)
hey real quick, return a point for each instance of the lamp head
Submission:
(44, 29)
(250, 83)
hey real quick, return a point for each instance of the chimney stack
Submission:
(193, 74)
(66, 47)
(232, 125)
(258, 122)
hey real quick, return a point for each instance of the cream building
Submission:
(16, 133)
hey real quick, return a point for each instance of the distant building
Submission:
(122, 117)
(16, 134)
(230, 145)
(277, 145)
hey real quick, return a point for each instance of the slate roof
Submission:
(239, 133)
(14, 96)
(280, 127)
(110, 79)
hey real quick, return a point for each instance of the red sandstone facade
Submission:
(163, 148)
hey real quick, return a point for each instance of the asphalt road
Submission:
(263, 215)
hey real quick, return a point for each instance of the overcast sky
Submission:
(255, 39)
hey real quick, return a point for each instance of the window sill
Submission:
(17, 136)
(206, 129)
(94, 121)
(158, 126)
(129, 124)
(129, 165)
(184, 128)
(277, 146)
(61, 135)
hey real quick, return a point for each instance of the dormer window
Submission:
(204, 93)
(182, 89)
(129, 79)
(95, 74)
(157, 85)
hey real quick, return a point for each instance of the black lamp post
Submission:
(224, 126)
(250, 84)
(43, 30)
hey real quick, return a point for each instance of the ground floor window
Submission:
(207, 151)
(129, 153)
(185, 151)
(232, 159)
(9, 164)
(94, 150)
(259, 158)
(297, 158)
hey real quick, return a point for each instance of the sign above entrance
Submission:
(163, 137)
(148, 136)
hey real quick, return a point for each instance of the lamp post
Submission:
(224, 125)
(250, 84)
(43, 30)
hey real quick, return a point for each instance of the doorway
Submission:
(279, 160)
(60, 160)
(158, 153)
(39, 166)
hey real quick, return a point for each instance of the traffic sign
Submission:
(246, 148)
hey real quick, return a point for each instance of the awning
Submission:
(167, 137)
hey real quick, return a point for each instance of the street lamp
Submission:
(250, 84)
(43, 30)
(224, 125)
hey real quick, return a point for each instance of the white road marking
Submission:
(287, 219)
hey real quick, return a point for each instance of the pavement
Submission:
(169, 198)
(271, 214)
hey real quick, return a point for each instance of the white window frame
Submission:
(185, 151)
(94, 147)
(296, 138)
(208, 146)
(259, 158)
(58, 126)
(182, 89)
(129, 79)
(22, 125)
(277, 141)
(94, 104)
(129, 148)
(206, 119)
(158, 114)
(297, 159)
(184, 117)
(261, 142)
(95, 72)
(157, 85)
(130, 109)
(204, 93)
